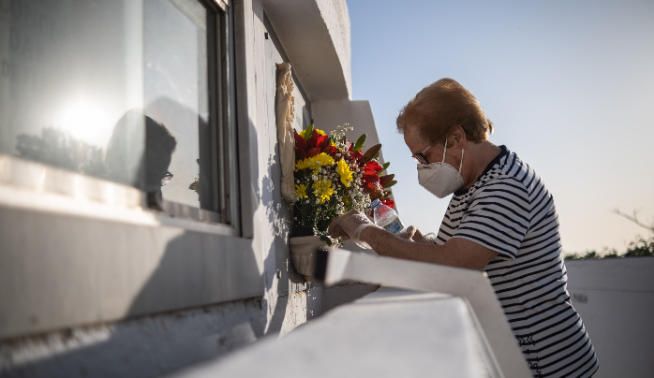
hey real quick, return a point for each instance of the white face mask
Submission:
(440, 179)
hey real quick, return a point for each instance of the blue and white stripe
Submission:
(509, 211)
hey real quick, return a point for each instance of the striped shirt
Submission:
(509, 211)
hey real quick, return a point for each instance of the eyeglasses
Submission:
(420, 156)
(166, 178)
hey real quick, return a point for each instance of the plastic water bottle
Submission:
(386, 217)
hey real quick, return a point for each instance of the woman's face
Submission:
(421, 149)
(425, 152)
(414, 141)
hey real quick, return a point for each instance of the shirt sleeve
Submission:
(498, 218)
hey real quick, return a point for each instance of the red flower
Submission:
(369, 185)
(371, 180)
(318, 143)
(332, 150)
(389, 202)
(300, 146)
(372, 168)
(355, 155)
(313, 151)
(315, 144)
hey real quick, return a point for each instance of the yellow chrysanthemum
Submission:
(323, 190)
(343, 170)
(324, 160)
(315, 162)
(301, 191)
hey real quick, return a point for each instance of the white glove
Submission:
(350, 224)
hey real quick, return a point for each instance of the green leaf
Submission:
(386, 180)
(359, 143)
(393, 182)
(372, 153)
(386, 165)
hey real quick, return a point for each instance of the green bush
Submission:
(641, 247)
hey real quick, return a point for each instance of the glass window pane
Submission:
(114, 89)
(176, 87)
(72, 69)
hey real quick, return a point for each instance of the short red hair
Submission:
(442, 105)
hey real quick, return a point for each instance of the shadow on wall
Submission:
(149, 346)
(277, 263)
(275, 300)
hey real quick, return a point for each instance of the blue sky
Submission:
(569, 86)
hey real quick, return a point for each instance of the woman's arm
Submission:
(456, 252)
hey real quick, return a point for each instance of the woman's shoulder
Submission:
(501, 185)
(515, 172)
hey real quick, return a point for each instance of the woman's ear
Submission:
(457, 137)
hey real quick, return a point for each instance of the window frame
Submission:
(225, 91)
(222, 144)
(221, 156)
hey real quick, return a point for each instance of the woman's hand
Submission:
(408, 233)
(412, 233)
(350, 225)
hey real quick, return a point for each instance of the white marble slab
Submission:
(388, 333)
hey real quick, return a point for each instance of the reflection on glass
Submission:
(176, 85)
(113, 89)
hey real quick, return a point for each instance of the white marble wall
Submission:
(615, 298)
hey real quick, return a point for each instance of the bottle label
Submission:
(395, 226)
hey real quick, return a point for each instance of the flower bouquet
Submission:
(332, 176)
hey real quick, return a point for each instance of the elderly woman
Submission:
(501, 219)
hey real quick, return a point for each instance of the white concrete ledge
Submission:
(471, 285)
(387, 334)
(60, 270)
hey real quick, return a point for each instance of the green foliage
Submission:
(358, 145)
(590, 255)
(611, 255)
(309, 129)
(641, 247)
(387, 180)
(372, 153)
